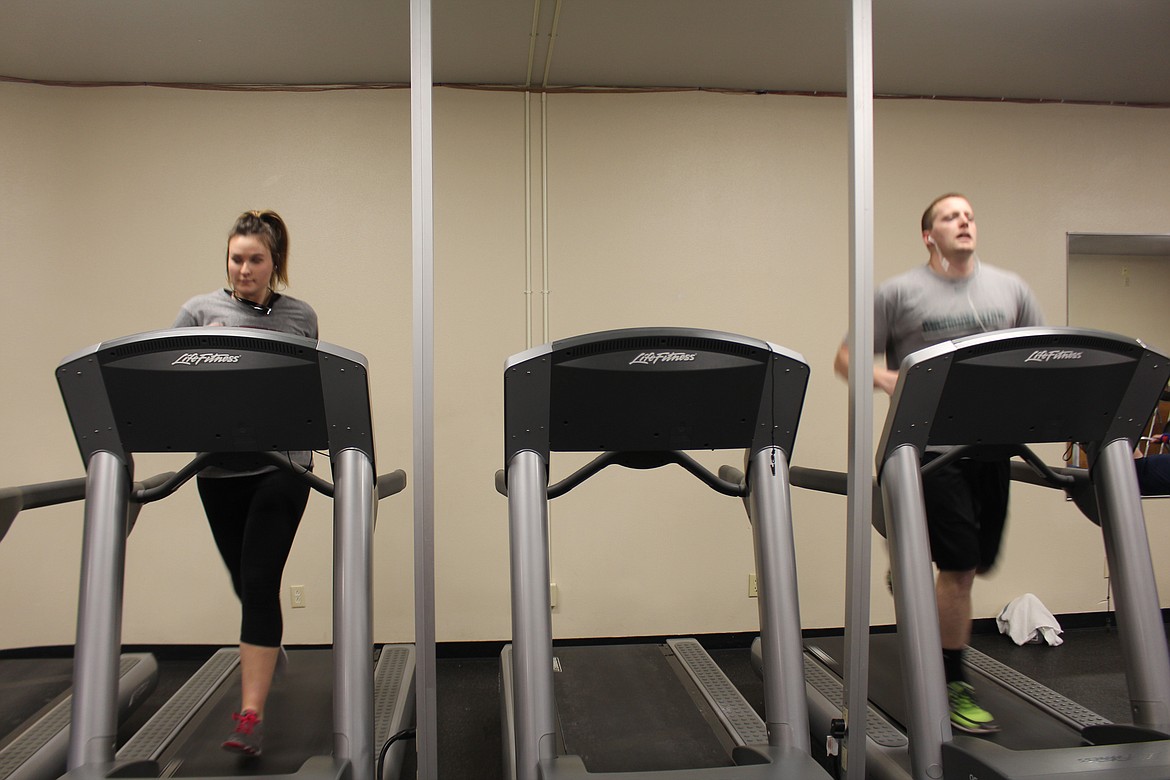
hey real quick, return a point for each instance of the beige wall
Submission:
(713, 211)
(1121, 293)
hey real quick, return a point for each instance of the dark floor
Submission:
(1085, 668)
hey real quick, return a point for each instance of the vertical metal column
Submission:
(1139, 614)
(860, 486)
(917, 612)
(423, 477)
(99, 612)
(353, 613)
(770, 507)
(531, 614)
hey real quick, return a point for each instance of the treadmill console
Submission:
(652, 390)
(1025, 386)
(216, 389)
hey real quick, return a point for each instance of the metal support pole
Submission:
(423, 476)
(770, 508)
(1131, 569)
(531, 614)
(860, 501)
(353, 613)
(917, 612)
(99, 612)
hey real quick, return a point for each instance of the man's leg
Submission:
(953, 510)
(953, 591)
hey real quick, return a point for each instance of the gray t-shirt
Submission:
(286, 315)
(920, 308)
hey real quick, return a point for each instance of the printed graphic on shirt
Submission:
(966, 322)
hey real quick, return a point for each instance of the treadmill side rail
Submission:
(39, 752)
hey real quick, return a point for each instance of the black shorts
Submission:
(966, 509)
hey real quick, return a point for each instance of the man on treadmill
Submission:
(953, 295)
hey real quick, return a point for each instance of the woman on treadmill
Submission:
(254, 510)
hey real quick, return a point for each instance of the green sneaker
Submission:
(966, 714)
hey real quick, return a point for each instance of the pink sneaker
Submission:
(248, 734)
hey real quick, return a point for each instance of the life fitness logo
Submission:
(204, 358)
(1048, 355)
(653, 358)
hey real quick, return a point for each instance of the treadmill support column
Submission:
(916, 609)
(770, 507)
(353, 675)
(531, 614)
(99, 612)
(1139, 615)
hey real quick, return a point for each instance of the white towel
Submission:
(1027, 621)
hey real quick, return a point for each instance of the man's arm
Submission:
(883, 378)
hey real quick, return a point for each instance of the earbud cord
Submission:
(946, 265)
(974, 311)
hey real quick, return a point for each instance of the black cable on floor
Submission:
(404, 734)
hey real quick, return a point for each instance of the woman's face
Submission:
(249, 267)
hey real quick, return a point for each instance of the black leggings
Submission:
(254, 520)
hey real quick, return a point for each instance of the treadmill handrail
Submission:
(637, 460)
(14, 500)
(1055, 478)
(46, 493)
(385, 484)
(1047, 474)
(1067, 477)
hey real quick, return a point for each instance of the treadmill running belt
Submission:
(623, 708)
(298, 723)
(1023, 726)
(29, 686)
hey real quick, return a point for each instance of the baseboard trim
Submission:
(491, 648)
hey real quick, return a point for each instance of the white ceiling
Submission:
(1072, 50)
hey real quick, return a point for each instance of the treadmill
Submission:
(988, 395)
(176, 390)
(642, 397)
(35, 750)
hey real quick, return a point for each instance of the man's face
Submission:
(953, 229)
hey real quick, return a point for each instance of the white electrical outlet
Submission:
(752, 592)
(552, 595)
(297, 596)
